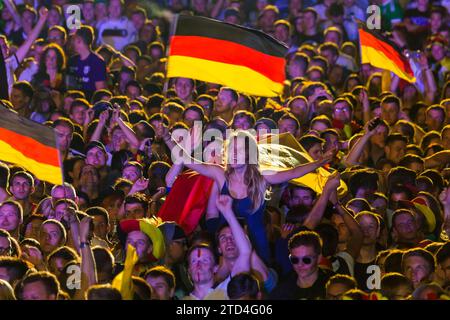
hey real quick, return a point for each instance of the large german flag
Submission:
(246, 60)
(29, 145)
(384, 54)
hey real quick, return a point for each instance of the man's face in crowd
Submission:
(379, 138)
(445, 137)
(405, 227)
(301, 197)
(395, 150)
(160, 287)
(28, 19)
(89, 175)
(302, 268)
(342, 112)
(267, 20)
(287, 125)
(118, 140)
(21, 188)
(438, 52)
(389, 113)
(62, 192)
(133, 92)
(78, 114)
(184, 88)
(242, 123)
(370, 229)
(100, 227)
(315, 151)
(78, 44)
(115, 9)
(131, 173)
(333, 36)
(201, 266)
(330, 56)
(88, 10)
(5, 247)
(134, 211)
(282, 33)
(63, 137)
(9, 218)
(55, 36)
(445, 267)
(19, 100)
(141, 243)
(341, 227)
(309, 20)
(177, 250)
(434, 120)
(190, 116)
(299, 108)
(36, 291)
(335, 291)
(417, 269)
(295, 69)
(96, 157)
(224, 101)
(101, 11)
(50, 237)
(227, 244)
(138, 20)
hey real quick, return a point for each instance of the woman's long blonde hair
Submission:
(258, 189)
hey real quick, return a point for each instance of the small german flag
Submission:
(380, 52)
(244, 59)
(30, 145)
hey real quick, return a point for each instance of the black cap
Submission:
(101, 106)
(95, 144)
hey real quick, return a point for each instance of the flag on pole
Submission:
(30, 145)
(382, 53)
(247, 60)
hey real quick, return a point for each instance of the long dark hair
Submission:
(60, 56)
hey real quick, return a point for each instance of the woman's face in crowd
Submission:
(51, 60)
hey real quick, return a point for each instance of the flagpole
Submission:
(172, 30)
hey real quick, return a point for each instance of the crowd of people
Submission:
(101, 86)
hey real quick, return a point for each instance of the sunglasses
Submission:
(295, 260)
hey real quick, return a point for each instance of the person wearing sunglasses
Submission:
(307, 281)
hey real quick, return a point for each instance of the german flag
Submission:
(384, 54)
(29, 145)
(246, 60)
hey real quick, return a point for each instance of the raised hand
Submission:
(328, 156)
(43, 13)
(158, 195)
(286, 230)
(334, 181)
(70, 216)
(141, 184)
(86, 229)
(103, 117)
(33, 255)
(224, 204)
(89, 116)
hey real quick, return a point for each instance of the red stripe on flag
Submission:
(229, 52)
(30, 148)
(367, 39)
